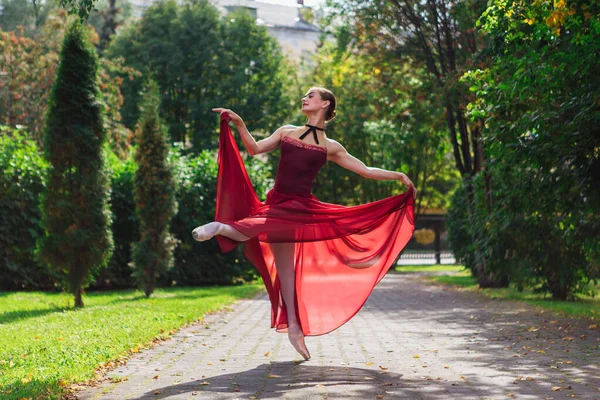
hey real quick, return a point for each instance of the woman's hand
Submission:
(233, 116)
(404, 179)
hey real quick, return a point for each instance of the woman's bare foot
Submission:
(206, 232)
(297, 340)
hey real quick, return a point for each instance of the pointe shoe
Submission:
(297, 340)
(205, 232)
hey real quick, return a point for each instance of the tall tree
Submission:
(76, 217)
(154, 193)
(539, 100)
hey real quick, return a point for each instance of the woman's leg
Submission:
(284, 262)
(206, 232)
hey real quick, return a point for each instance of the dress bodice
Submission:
(299, 164)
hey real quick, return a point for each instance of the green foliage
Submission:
(47, 346)
(155, 201)
(82, 8)
(22, 172)
(201, 61)
(76, 218)
(538, 99)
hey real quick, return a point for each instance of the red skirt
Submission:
(340, 253)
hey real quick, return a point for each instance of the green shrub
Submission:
(22, 172)
(155, 201)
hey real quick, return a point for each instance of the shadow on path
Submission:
(275, 380)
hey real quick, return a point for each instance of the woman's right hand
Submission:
(233, 116)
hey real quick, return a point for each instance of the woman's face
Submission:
(312, 102)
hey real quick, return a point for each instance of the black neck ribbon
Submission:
(313, 129)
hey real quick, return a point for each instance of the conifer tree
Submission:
(76, 216)
(154, 193)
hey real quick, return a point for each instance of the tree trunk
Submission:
(77, 292)
(485, 278)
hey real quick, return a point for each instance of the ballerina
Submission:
(319, 261)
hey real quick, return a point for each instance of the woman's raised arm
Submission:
(340, 156)
(252, 146)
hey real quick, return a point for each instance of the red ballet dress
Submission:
(340, 252)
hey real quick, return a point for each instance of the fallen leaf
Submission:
(205, 383)
(155, 377)
(533, 329)
(383, 368)
(266, 354)
(380, 396)
(274, 376)
(369, 363)
(416, 356)
(556, 388)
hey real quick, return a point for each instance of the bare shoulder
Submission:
(285, 129)
(334, 148)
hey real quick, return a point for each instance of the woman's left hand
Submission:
(404, 179)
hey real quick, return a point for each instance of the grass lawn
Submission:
(45, 344)
(586, 306)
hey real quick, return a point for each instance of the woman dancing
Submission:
(319, 261)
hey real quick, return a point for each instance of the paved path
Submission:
(411, 340)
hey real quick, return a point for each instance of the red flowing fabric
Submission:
(339, 253)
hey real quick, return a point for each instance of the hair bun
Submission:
(332, 116)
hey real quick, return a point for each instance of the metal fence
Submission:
(424, 257)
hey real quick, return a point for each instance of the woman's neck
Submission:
(316, 121)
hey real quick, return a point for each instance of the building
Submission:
(298, 38)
